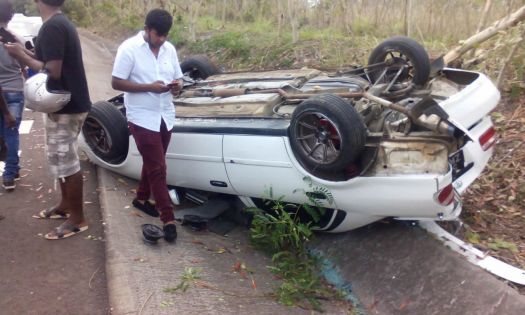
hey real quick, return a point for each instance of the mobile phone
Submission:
(172, 84)
(7, 37)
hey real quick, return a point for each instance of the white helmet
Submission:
(40, 99)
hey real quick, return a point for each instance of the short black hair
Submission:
(159, 20)
(54, 3)
(6, 11)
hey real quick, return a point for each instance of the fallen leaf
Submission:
(220, 251)
(403, 305)
(137, 214)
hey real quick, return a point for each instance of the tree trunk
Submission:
(223, 13)
(408, 5)
(487, 33)
(292, 15)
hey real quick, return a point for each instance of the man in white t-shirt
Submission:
(147, 69)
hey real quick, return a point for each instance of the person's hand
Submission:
(159, 87)
(15, 49)
(175, 87)
(10, 120)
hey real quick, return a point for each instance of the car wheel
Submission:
(401, 55)
(198, 67)
(106, 132)
(326, 133)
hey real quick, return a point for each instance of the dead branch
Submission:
(473, 41)
(480, 56)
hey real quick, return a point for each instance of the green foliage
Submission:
(363, 26)
(499, 244)
(133, 21)
(77, 12)
(190, 275)
(229, 45)
(281, 233)
(108, 8)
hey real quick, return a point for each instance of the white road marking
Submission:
(25, 127)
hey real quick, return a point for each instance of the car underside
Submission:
(399, 138)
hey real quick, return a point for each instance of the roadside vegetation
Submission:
(280, 232)
(269, 34)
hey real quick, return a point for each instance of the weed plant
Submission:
(283, 233)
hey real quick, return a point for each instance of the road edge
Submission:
(120, 298)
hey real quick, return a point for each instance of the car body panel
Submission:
(25, 26)
(240, 145)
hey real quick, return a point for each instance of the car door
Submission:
(256, 163)
(194, 160)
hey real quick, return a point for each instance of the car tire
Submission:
(199, 67)
(411, 53)
(105, 130)
(326, 133)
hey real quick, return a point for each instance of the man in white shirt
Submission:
(147, 69)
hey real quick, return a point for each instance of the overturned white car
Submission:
(399, 138)
(26, 27)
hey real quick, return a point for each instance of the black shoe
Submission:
(17, 177)
(9, 184)
(146, 207)
(170, 232)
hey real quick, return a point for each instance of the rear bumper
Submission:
(476, 159)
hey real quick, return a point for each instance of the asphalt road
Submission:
(38, 276)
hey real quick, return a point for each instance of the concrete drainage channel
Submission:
(398, 269)
(383, 268)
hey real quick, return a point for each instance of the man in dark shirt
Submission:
(58, 52)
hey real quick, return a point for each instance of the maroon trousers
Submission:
(152, 146)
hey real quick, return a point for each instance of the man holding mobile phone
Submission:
(147, 69)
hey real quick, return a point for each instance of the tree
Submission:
(476, 39)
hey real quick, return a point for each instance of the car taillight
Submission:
(446, 195)
(488, 138)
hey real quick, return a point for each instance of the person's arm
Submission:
(24, 56)
(9, 119)
(132, 87)
(177, 84)
(124, 63)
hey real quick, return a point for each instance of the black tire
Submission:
(106, 132)
(326, 133)
(402, 51)
(199, 68)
